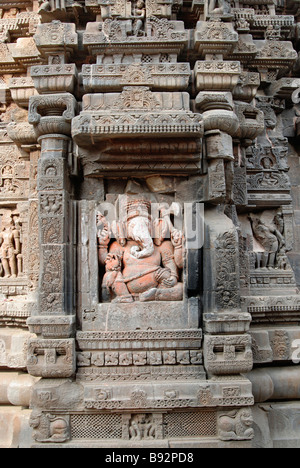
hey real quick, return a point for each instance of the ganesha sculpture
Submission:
(140, 264)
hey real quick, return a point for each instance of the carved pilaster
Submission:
(55, 227)
(56, 217)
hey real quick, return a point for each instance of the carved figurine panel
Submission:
(145, 261)
(265, 233)
(10, 247)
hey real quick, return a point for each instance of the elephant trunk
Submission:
(139, 231)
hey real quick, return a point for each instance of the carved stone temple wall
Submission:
(150, 223)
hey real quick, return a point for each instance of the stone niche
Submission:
(136, 263)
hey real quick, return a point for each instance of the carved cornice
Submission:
(155, 75)
(136, 111)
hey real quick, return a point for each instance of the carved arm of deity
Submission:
(103, 236)
(113, 279)
(17, 241)
(177, 240)
(168, 261)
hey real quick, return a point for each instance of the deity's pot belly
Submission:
(140, 274)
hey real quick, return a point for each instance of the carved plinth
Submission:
(52, 327)
(169, 394)
(51, 358)
(143, 429)
(164, 315)
(228, 355)
(133, 420)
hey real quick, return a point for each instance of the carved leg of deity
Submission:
(264, 259)
(135, 432)
(258, 259)
(272, 258)
(13, 267)
(121, 291)
(150, 431)
(114, 282)
(6, 268)
(163, 294)
(138, 28)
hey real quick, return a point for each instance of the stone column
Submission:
(227, 347)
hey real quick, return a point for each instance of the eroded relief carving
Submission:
(10, 248)
(270, 251)
(236, 425)
(141, 427)
(50, 427)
